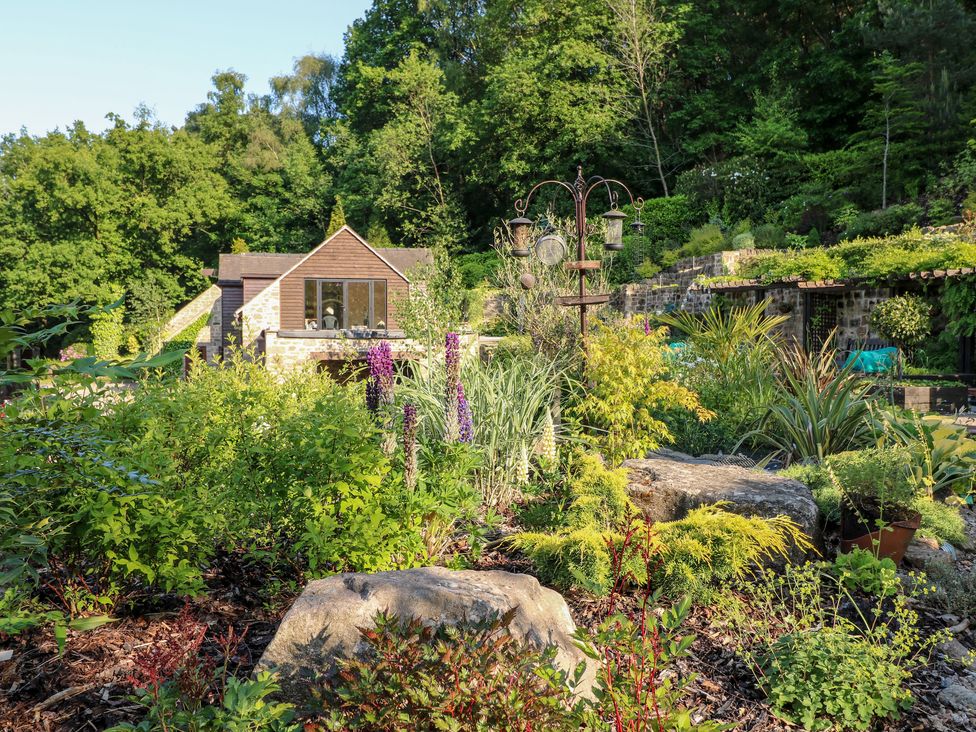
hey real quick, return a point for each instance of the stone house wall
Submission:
(670, 288)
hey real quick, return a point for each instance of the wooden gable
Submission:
(343, 256)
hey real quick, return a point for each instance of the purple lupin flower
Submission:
(465, 422)
(379, 386)
(647, 326)
(452, 362)
(410, 445)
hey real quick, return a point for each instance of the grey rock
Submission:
(666, 485)
(959, 697)
(922, 552)
(323, 624)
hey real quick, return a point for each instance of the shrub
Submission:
(825, 492)
(904, 319)
(941, 521)
(476, 267)
(861, 570)
(449, 678)
(827, 660)
(892, 220)
(509, 401)
(596, 506)
(628, 392)
(827, 678)
(728, 362)
(182, 689)
(711, 546)
(819, 409)
(875, 482)
(769, 236)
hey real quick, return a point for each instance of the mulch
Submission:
(89, 687)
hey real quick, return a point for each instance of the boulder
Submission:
(666, 485)
(323, 624)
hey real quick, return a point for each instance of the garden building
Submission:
(328, 305)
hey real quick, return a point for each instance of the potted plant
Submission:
(878, 500)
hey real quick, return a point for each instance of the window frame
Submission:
(344, 325)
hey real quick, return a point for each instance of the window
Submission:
(345, 304)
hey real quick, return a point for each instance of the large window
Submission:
(343, 304)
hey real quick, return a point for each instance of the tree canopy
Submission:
(442, 112)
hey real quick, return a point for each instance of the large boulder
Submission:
(667, 484)
(323, 624)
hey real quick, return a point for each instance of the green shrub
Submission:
(825, 492)
(941, 521)
(595, 509)
(885, 222)
(628, 392)
(104, 518)
(905, 319)
(875, 481)
(769, 236)
(711, 546)
(821, 667)
(861, 570)
(476, 267)
(827, 678)
(818, 410)
(448, 678)
(728, 362)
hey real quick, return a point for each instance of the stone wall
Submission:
(854, 313)
(670, 288)
(186, 315)
(287, 353)
(263, 313)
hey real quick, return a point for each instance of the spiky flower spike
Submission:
(410, 445)
(465, 422)
(522, 467)
(452, 362)
(547, 441)
(379, 387)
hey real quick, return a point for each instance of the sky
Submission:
(66, 60)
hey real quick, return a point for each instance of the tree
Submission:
(895, 115)
(647, 34)
(337, 219)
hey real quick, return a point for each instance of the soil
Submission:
(90, 686)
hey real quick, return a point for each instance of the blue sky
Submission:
(62, 60)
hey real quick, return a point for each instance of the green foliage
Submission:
(632, 651)
(884, 222)
(861, 570)
(337, 219)
(875, 481)
(820, 409)
(822, 667)
(477, 267)
(959, 307)
(474, 678)
(826, 493)
(905, 319)
(711, 546)
(628, 394)
(510, 401)
(107, 333)
(941, 521)
(246, 707)
(827, 678)
(873, 258)
(727, 362)
(595, 506)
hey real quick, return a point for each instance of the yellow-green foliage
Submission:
(710, 546)
(707, 547)
(628, 393)
(598, 506)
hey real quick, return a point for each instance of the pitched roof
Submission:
(232, 267)
(404, 259)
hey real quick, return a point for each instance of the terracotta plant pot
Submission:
(892, 540)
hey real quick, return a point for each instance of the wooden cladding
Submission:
(343, 257)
